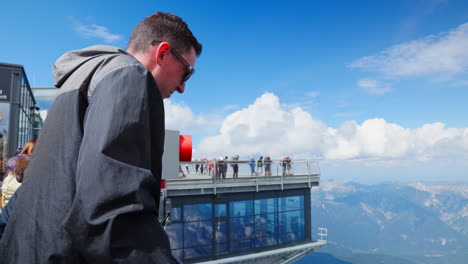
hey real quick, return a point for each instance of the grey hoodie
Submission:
(91, 190)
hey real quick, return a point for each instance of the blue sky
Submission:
(378, 89)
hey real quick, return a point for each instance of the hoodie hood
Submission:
(70, 62)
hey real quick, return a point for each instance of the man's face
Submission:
(173, 72)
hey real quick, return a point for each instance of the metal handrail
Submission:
(322, 233)
(302, 168)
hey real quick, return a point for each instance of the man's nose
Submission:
(181, 88)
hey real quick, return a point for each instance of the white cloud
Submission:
(345, 114)
(267, 127)
(313, 94)
(373, 86)
(230, 107)
(95, 31)
(180, 117)
(442, 53)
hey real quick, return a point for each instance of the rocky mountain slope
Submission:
(415, 222)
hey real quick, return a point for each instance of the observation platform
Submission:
(302, 174)
(261, 216)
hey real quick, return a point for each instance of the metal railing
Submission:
(275, 175)
(222, 169)
(319, 234)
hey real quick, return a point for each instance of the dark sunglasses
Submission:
(189, 70)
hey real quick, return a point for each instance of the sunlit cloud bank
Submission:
(442, 53)
(268, 127)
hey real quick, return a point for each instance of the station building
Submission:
(19, 116)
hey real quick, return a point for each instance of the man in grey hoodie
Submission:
(93, 192)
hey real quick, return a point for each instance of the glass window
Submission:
(265, 225)
(266, 241)
(241, 245)
(291, 203)
(290, 237)
(241, 208)
(241, 228)
(24, 128)
(265, 206)
(197, 212)
(20, 130)
(210, 229)
(197, 252)
(178, 253)
(220, 210)
(175, 214)
(291, 221)
(198, 233)
(221, 247)
(174, 232)
(4, 126)
(220, 232)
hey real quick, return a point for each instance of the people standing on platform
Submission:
(197, 167)
(252, 166)
(288, 165)
(210, 168)
(92, 188)
(181, 172)
(235, 167)
(267, 163)
(260, 166)
(283, 166)
(202, 166)
(225, 167)
(220, 172)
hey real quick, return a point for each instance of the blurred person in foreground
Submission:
(94, 195)
(18, 174)
(14, 179)
(26, 151)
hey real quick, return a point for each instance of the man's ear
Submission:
(160, 51)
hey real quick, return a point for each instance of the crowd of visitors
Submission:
(218, 168)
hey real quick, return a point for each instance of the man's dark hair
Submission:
(163, 27)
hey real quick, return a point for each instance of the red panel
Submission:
(185, 148)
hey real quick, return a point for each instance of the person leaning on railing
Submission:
(252, 166)
(260, 165)
(267, 163)
(235, 167)
(288, 165)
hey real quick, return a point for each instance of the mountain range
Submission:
(391, 223)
